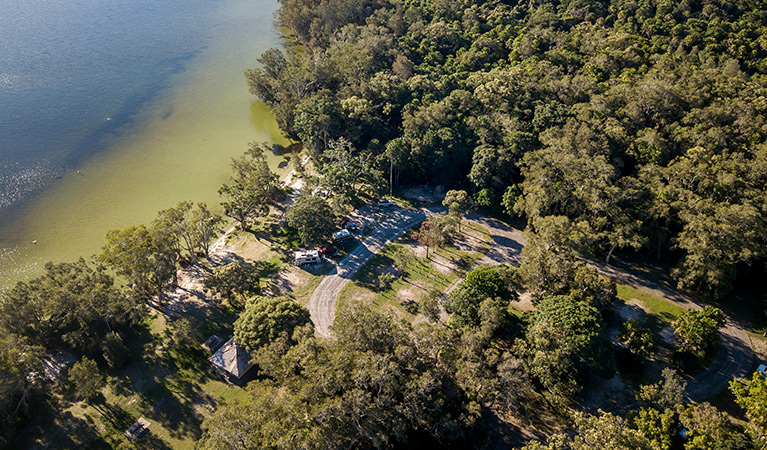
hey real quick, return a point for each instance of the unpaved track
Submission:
(323, 300)
(734, 356)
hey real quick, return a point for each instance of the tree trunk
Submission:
(391, 177)
(609, 254)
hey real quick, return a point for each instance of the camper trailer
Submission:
(308, 257)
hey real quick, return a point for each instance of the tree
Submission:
(458, 203)
(312, 217)
(251, 188)
(462, 304)
(510, 197)
(114, 350)
(75, 304)
(659, 426)
(752, 397)
(429, 305)
(190, 227)
(603, 432)
(265, 318)
(564, 344)
(376, 383)
(637, 338)
(709, 428)
(487, 282)
(85, 378)
(697, 330)
(145, 260)
(668, 393)
(185, 332)
(589, 286)
(344, 169)
(549, 261)
(402, 257)
(231, 281)
(431, 234)
(206, 226)
(20, 369)
(491, 281)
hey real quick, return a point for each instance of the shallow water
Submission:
(99, 159)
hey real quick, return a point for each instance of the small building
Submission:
(308, 257)
(232, 362)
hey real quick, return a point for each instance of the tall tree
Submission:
(251, 188)
(85, 378)
(265, 318)
(20, 368)
(190, 226)
(752, 397)
(458, 204)
(312, 217)
(697, 330)
(144, 258)
(564, 344)
(75, 304)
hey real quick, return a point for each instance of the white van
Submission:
(341, 236)
(307, 257)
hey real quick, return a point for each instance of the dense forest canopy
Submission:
(644, 120)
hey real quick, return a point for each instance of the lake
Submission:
(111, 110)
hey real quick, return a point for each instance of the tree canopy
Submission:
(641, 120)
(265, 318)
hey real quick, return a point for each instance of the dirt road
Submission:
(322, 303)
(734, 356)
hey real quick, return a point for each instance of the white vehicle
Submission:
(384, 202)
(307, 257)
(341, 236)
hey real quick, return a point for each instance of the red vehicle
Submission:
(343, 222)
(328, 252)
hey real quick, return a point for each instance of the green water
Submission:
(179, 147)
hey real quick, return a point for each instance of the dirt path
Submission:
(734, 356)
(323, 299)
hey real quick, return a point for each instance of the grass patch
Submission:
(170, 385)
(423, 276)
(306, 282)
(664, 311)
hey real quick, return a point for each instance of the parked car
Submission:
(343, 222)
(341, 236)
(328, 252)
(352, 226)
(384, 202)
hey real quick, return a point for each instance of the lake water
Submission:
(111, 110)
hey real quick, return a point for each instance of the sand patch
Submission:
(525, 302)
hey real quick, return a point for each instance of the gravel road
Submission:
(395, 222)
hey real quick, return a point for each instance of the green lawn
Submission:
(664, 311)
(422, 276)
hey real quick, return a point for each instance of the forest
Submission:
(631, 130)
(643, 123)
